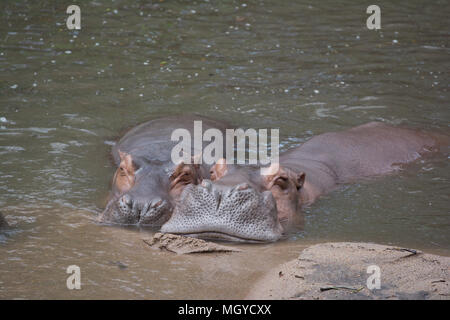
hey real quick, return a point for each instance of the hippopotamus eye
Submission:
(185, 175)
(183, 178)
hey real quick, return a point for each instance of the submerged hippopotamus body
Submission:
(239, 203)
(147, 183)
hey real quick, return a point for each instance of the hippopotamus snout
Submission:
(143, 210)
(135, 209)
(238, 213)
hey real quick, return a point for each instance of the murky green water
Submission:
(305, 67)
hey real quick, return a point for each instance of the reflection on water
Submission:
(305, 68)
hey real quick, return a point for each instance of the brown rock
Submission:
(183, 245)
(339, 271)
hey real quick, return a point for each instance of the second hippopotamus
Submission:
(239, 203)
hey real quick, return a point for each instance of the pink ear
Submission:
(300, 179)
(220, 168)
(127, 161)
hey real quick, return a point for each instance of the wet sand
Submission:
(342, 271)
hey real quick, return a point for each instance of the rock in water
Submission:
(183, 245)
(3, 223)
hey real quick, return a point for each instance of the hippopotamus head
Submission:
(239, 203)
(144, 192)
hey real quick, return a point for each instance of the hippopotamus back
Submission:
(367, 150)
(151, 140)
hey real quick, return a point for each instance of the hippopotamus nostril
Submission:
(125, 204)
(206, 184)
(242, 186)
(154, 212)
(145, 208)
(156, 202)
(126, 199)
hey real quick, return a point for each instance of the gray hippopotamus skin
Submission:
(241, 204)
(147, 184)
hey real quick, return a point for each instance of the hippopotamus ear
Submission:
(124, 177)
(219, 169)
(300, 180)
(127, 161)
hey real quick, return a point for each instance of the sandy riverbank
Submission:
(339, 271)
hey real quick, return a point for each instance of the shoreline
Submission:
(341, 270)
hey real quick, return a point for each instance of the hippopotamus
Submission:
(239, 203)
(147, 183)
